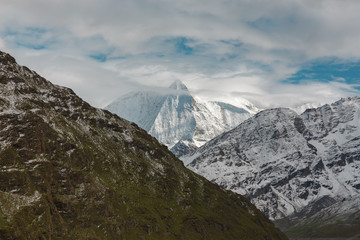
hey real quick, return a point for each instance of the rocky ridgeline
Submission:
(292, 166)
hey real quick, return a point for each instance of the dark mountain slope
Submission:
(71, 171)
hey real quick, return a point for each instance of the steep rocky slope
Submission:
(291, 166)
(179, 120)
(71, 171)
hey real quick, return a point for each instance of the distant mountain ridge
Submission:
(289, 165)
(178, 119)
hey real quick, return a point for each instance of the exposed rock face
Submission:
(178, 119)
(288, 165)
(71, 171)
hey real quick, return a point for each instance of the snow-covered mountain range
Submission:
(179, 120)
(289, 165)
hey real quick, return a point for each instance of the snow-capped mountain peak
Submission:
(179, 116)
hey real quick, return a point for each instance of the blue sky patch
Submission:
(328, 70)
(263, 24)
(181, 45)
(101, 57)
(107, 55)
(29, 37)
(233, 43)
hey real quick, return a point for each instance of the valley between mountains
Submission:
(69, 170)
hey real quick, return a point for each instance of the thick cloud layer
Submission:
(224, 49)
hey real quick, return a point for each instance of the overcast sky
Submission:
(273, 53)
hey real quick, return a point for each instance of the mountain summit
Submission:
(71, 171)
(179, 120)
(178, 85)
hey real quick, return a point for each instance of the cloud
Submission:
(219, 48)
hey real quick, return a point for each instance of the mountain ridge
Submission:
(69, 170)
(288, 164)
